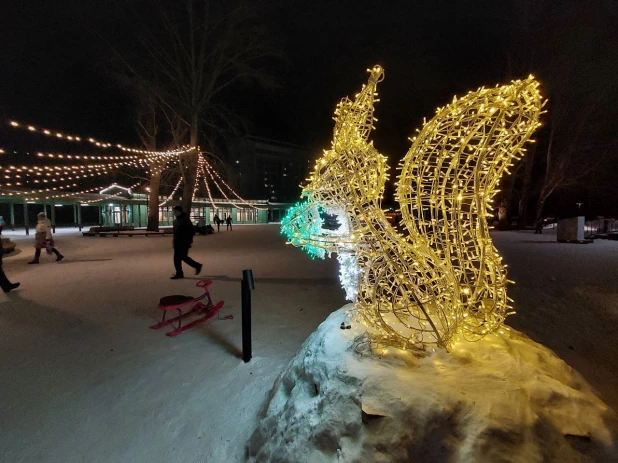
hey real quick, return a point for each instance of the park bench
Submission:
(125, 231)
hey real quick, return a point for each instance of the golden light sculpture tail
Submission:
(446, 185)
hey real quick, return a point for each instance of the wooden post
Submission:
(26, 221)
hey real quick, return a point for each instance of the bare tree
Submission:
(572, 60)
(206, 49)
(148, 130)
(573, 149)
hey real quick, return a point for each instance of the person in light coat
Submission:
(44, 239)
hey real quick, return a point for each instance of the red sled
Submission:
(202, 305)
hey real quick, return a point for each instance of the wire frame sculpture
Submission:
(443, 281)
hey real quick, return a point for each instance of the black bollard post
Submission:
(247, 286)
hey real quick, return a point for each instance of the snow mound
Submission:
(503, 399)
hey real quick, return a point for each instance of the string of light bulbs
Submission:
(104, 157)
(74, 167)
(100, 144)
(22, 175)
(92, 201)
(36, 198)
(171, 195)
(56, 176)
(212, 202)
(219, 188)
(211, 170)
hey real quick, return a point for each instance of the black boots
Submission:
(11, 287)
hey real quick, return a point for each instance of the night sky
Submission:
(53, 63)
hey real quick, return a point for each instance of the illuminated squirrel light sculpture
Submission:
(443, 281)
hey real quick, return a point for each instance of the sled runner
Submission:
(201, 305)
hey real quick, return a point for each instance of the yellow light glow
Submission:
(444, 280)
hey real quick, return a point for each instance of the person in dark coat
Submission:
(217, 222)
(228, 221)
(538, 226)
(5, 284)
(183, 239)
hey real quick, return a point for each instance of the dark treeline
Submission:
(572, 47)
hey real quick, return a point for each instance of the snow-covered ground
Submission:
(566, 298)
(82, 378)
(503, 399)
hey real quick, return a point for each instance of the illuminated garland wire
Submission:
(445, 283)
(212, 202)
(55, 178)
(172, 193)
(135, 185)
(64, 195)
(301, 222)
(208, 166)
(74, 138)
(220, 189)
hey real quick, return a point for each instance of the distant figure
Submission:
(228, 221)
(5, 284)
(538, 226)
(217, 222)
(201, 226)
(44, 239)
(183, 239)
(1, 224)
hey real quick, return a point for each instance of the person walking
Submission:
(1, 224)
(228, 221)
(538, 226)
(44, 239)
(5, 284)
(217, 222)
(183, 239)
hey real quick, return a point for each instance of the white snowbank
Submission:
(502, 399)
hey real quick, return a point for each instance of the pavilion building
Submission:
(120, 206)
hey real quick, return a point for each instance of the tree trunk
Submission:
(153, 201)
(189, 167)
(539, 205)
(547, 189)
(503, 217)
(189, 176)
(505, 199)
(524, 198)
(546, 192)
